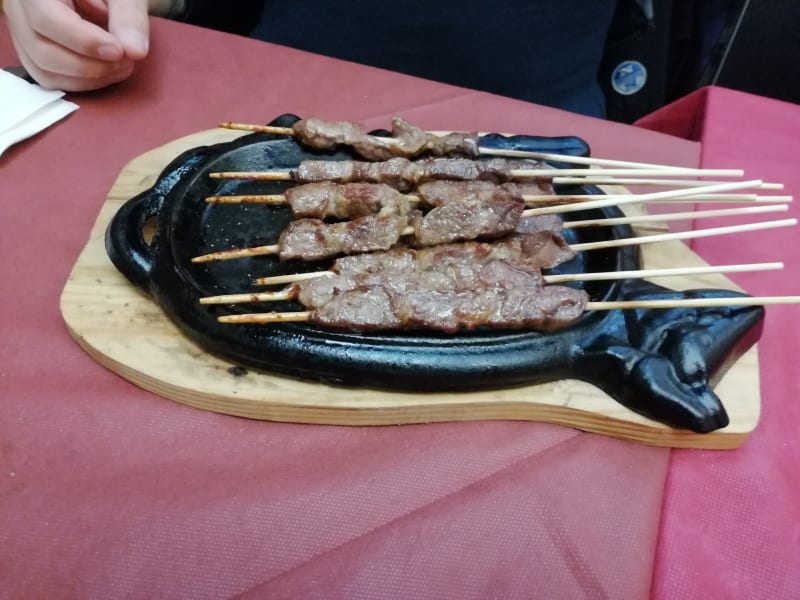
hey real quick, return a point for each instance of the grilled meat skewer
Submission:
(326, 199)
(446, 288)
(400, 173)
(314, 239)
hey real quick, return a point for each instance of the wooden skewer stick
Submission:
(666, 272)
(723, 212)
(564, 158)
(292, 277)
(692, 302)
(258, 128)
(268, 317)
(580, 160)
(245, 298)
(602, 180)
(721, 198)
(301, 316)
(280, 199)
(532, 198)
(683, 235)
(632, 241)
(287, 294)
(638, 198)
(696, 214)
(275, 248)
(582, 175)
(237, 253)
(254, 175)
(739, 198)
(248, 199)
(600, 172)
(642, 273)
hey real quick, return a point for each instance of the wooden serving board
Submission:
(124, 330)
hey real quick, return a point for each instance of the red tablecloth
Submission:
(109, 491)
(731, 520)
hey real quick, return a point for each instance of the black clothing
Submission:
(546, 52)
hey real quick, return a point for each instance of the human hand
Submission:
(78, 45)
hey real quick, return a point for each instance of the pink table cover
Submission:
(731, 520)
(109, 491)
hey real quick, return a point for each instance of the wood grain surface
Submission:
(120, 327)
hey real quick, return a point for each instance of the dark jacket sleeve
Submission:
(239, 17)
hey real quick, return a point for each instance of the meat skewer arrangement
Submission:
(550, 316)
(326, 199)
(456, 219)
(405, 174)
(397, 221)
(408, 141)
(323, 200)
(314, 239)
(400, 173)
(292, 291)
(445, 288)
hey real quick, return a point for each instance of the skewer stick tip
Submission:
(292, 277)
(252, 199)
(268, 317)
(302, 316)
(244, 298)
(253, 175)
(237, 253)
(257, 128)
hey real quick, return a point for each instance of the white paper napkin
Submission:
(26, 109)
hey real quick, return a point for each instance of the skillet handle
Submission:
(125, 243)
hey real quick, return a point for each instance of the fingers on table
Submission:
(61, 49)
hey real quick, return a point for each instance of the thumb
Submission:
(128, 22)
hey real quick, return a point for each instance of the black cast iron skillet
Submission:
(660, 363)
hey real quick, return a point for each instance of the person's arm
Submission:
(78, 45)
